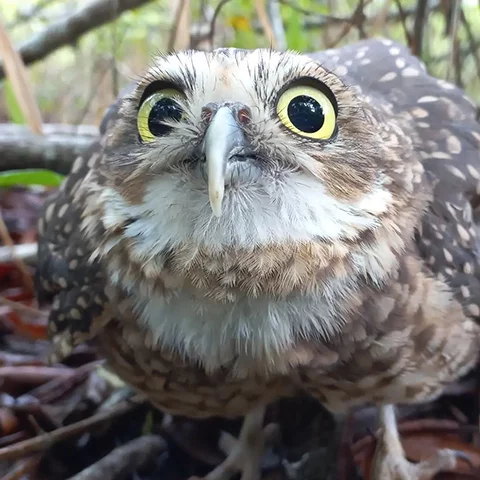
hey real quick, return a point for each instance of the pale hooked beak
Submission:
(223, 140)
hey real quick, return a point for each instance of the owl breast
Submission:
(181, 387)
(249, 336)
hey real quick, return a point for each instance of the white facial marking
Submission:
(296, 208)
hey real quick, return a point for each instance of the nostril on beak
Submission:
(207, 114)
(240, 112)
(244, 115)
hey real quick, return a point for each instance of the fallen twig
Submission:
(26, 252)
(35, 375)
(13, 438)
(7, 240)
(23, 469)
(57, 387)
(124, 460)
(15, 359)
(46, 440)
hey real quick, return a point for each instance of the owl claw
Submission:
(390, 462)
(245, 454)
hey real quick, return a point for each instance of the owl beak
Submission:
(223, 137)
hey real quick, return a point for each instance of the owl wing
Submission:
(66, 275)
(447, 137)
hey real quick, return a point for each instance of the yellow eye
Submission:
(157, 112)
(307, 111)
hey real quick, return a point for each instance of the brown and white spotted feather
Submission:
(347, 268)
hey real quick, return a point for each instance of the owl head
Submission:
(242, 150)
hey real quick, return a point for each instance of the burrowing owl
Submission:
(254, 224)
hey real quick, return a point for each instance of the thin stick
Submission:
(7, 240)
(213, 22)
(403, 19)
(418, 26)
(24, 469)
(48, 439)
(26, 374)
(453, 62)
(124, 460)
(356, 18)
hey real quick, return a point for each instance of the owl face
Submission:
(246, 148)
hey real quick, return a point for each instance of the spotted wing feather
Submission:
(446, 133)
(66, 275)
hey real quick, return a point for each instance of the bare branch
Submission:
(319, 21)
(213, 22)
(202, 31)
(403, 19)
(420, 15)
(454, 64)
(357, 19)
(55, 150)
(69, 30)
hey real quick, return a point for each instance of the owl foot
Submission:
(244, 454)
(390, 463)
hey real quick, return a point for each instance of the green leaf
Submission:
(14, 111)
(296, 38)
(47, 178)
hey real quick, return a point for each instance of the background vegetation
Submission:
(78, 81)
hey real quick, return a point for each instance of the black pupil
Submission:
(164, 109)
(306, 114)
